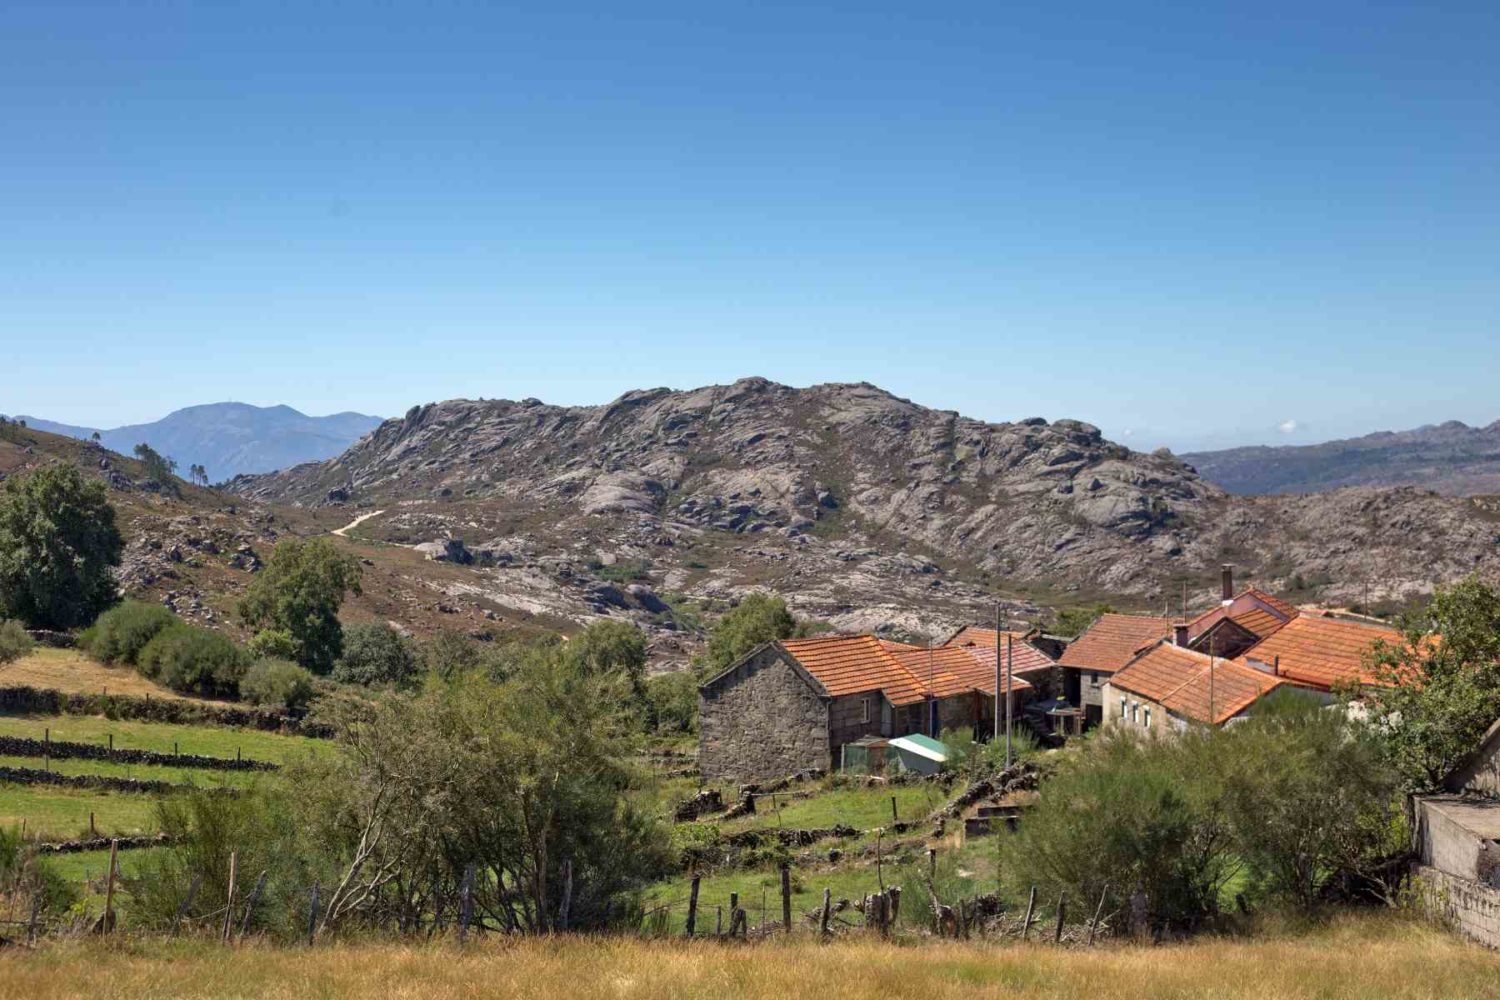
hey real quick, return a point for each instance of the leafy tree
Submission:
(757, 619)
(1440, 685)
(123, 631)
(159, 470)
(94, 437)
(277, 684)
(299, 592)
(612, 647)
(375, 654)
(58, 542)
(14, 642)
(449, 653)
(1073, 621)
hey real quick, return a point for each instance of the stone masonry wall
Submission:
(760, 722)
(1469, 907)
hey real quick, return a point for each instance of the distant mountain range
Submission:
(229, 439)
(1451, 458)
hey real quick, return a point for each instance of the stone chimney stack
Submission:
(1226, 580)
(1180, 634)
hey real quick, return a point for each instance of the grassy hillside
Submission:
(1354, 956)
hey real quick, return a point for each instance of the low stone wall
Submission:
(103, 844)
(29, 700)
(36, 776)
(56, 640)
(20, 746)
(1469, 907)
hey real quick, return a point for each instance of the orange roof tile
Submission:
(1256, 610)
(1113, 640)
(978, 635)
(1193, 685)
(950, 670)
(1320, 652)
(849, 664)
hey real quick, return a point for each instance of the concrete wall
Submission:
(763, 720)
(1470, 908)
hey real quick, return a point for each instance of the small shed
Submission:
(920, 754)
(866, 755)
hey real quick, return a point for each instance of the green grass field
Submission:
(209, 741)
(63, 813)
(861, 808)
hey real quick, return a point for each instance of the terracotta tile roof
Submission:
(905, 674)
(1178, 679)
(1260, 612)
(978, 635)
(953, 670)
(1113, 640)
(1024, 657)
(849, 664)
(1320, 652)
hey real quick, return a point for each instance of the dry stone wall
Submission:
(1469, 907)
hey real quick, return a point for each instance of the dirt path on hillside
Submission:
(344, 531)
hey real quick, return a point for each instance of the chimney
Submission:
(1276, 666)
(1226, 578)
(1180, 634)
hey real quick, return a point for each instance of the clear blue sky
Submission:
(1188, 223)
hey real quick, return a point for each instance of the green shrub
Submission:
(672, 702)
(119, 635)
(277, 684)
(193, 660)
(14, 642)
(375, 654)
(272, 644)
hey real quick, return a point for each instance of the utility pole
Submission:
(1010, 660)
(999, 627)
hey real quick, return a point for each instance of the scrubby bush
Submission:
(672, 702)
(277, 684)
(375, 654)
(14, 642)
(193, 660)
(272, 644)
(119, 635)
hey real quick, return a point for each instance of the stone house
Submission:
(1166, 687)
(1103, 649)
(792, 705)
(1456, 839)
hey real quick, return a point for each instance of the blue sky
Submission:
(1189, 224)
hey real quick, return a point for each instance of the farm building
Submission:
(1166, 687)
(1317, 653)
(1456, 837)
(1104, 648)
(792, 705)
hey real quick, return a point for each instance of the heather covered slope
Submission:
(846, 497)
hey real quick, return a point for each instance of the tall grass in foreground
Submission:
(1354, 955)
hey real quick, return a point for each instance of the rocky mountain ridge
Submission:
(1450, 458)
(859, 504)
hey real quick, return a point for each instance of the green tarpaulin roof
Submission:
(923, 746)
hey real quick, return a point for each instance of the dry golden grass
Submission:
(1354, 956)
(70, 672)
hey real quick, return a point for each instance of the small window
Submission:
(1123, 703)
(1134, 708)
(1148, 718)
(1094, 677)
(866, 704)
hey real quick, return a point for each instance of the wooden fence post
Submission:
(718, 921)
(109, 889)
(1062, 909)
(1030, 909)
(894, 817)
(692, 920)
(234, 860)
(786, 897)
(93, 831)
(827, 909)
(260, 885)
(312, 916)
(1098, 912)
(187, 903)
(36, 907)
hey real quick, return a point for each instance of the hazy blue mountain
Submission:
(1451, 458)
(230, 438)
